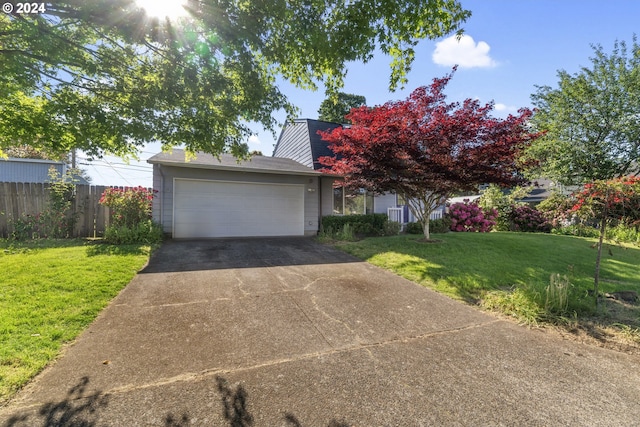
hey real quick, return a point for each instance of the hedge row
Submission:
(370, 224)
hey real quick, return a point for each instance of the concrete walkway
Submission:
(287, 332)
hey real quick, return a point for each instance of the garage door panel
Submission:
(237, 209)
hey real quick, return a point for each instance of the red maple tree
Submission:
(615, 200)
(426, 149)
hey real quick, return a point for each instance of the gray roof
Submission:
(257, 164)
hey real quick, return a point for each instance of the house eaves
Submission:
(227, 162)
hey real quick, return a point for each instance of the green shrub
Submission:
(531, 303)
(442, 225)
(147, 232)
(345, 233)
(624, 234)
(494, 198)
(370, 224)
(414, 228)
(392, 228)
(556, 209)
(579, 230)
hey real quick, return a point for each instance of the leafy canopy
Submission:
(591, 120)
(101, 76)
(426, 148)
(335, 108)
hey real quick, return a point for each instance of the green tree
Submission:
(101, 76)
(592, 120)
(335, 108)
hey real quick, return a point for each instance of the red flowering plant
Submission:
(616, 199)
(608, 201)
(129, 206)
(470, 217)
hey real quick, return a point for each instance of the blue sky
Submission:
(509, 47)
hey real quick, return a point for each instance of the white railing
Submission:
(396, 215)
(436, 214)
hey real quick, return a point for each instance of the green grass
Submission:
(510, 269)
(49, 292)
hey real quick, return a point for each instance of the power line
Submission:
(121, 166)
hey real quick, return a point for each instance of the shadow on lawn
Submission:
(99, 248)
(78, 410)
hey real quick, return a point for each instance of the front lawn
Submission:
(49, 292)
(508, 271)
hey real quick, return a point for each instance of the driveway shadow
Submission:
(215, 254)
(78, 410)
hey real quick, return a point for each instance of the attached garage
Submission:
(209, 197)
(203, 208)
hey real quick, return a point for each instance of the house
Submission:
(28, 170)
(33, 170)
(300, 141)
(210, 196)
(283, 195)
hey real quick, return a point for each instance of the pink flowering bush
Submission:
(525, 218)
(470, 217)
(129, 206)
(131, 216)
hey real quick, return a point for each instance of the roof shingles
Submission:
(258, 164)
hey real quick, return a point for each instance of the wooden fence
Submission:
(18, 199)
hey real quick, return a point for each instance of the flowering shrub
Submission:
(129, 206)
(525, 218)
(48, 224)
(57, 219)
(617, 199)
(494, 197)
(470, 217)
(555, 209)
(131, 216)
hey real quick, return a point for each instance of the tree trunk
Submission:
(425, 227)
(422, 209)
(596, 277)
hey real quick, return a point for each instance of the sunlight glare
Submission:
(163, 8)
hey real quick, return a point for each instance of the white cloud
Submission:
(465, 53)
(506, 108)
(253, 139)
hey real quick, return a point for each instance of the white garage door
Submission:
(236, 209)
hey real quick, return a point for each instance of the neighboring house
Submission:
(542, 188)
(32, 170)
(28, 170)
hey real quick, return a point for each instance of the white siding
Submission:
(294, 144)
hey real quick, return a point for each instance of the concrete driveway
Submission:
(287, 332)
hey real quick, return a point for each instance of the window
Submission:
(338, 201)
(356, 202)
